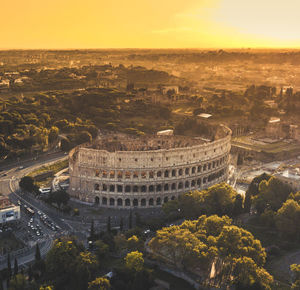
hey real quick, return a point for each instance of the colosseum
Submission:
(121, 171)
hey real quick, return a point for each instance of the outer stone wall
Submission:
(146, 178)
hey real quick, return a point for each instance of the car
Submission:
(20, 167)
(29, 224)
(39, 212)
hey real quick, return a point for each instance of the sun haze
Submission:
(149, 24)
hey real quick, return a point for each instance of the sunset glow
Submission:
(149, 23)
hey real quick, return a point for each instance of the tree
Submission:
(92, 231)
(102, 250)
(99, 283)
(287, 219)
(134, 261)
(133, 243)
(27, 183)
(9, 266)
(121, 224)
(37, 255)
(108, 224)
(18, 282)
(247, 275)
(130, 220)
(53, 134)
(16, 267)
(296, 272)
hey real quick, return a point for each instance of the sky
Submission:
(64, 24)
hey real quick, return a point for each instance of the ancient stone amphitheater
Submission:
(122, 171)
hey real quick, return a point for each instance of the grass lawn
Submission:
(55, 167)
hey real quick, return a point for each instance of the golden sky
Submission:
(149, 23)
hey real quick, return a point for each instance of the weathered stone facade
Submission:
(125, 172)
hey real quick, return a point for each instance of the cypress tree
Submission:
(9, 272)
(130, 220)
(108, 224)
(16, 267)
(92, 235)
(121, 224)
(30, 274)
(37, 253)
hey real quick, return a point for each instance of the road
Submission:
(9, 179)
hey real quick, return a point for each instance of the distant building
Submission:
(166, 89)
(8, 211)
(274, 128)
(291, 177)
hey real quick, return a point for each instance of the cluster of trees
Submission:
(219, 199)
(276, 205)
(213, 247)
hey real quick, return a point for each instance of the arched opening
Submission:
(120, 202)
(204, 179)
(143, 202)
(187, 171)
(193, 170)
(120, 188)
(166, 187)
(96, 186)
(158, 201)
(166, 199)
(180, 185)
(135, 188)
(199, 181)
(173, 186)
(166, 173)
(204, 167)
(143, 188)
(104, 187)
(120, 174)
(151, 174)
(135, 202)
(199, 169)
(112, 188)
(158, 174)
(112, 174)
(151, 188)
(187, 184)
(127, 202)
(111, 201)
(151, 201)
(173, 172)
(158, 188)
(104, 201)
(97, 200)
(180, 172)
(127, 188)
(193, 183)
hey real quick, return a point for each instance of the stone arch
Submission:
(151, 188)
(120, 202)
(143, 188)
(112, 188)
(166, 199)
(199, 181)
(151, 202)
(104, 201)
(199, 168)
(97, 200)
(158, 201)
(111, 201)
(127, 202)
(173, 197)
(180, 185)
(143, 202)
(193, 183)
(135, 202)
(180, 172)
(166, 187)
(167, 173)
(158, 174)
(127, 188)
(104, 187)
(173, 172)
(187, 171)
(204, 167)
(135, 188)
(187, 184)
(173, 186)
(97, 186)
(193, 170)
(158, 188)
